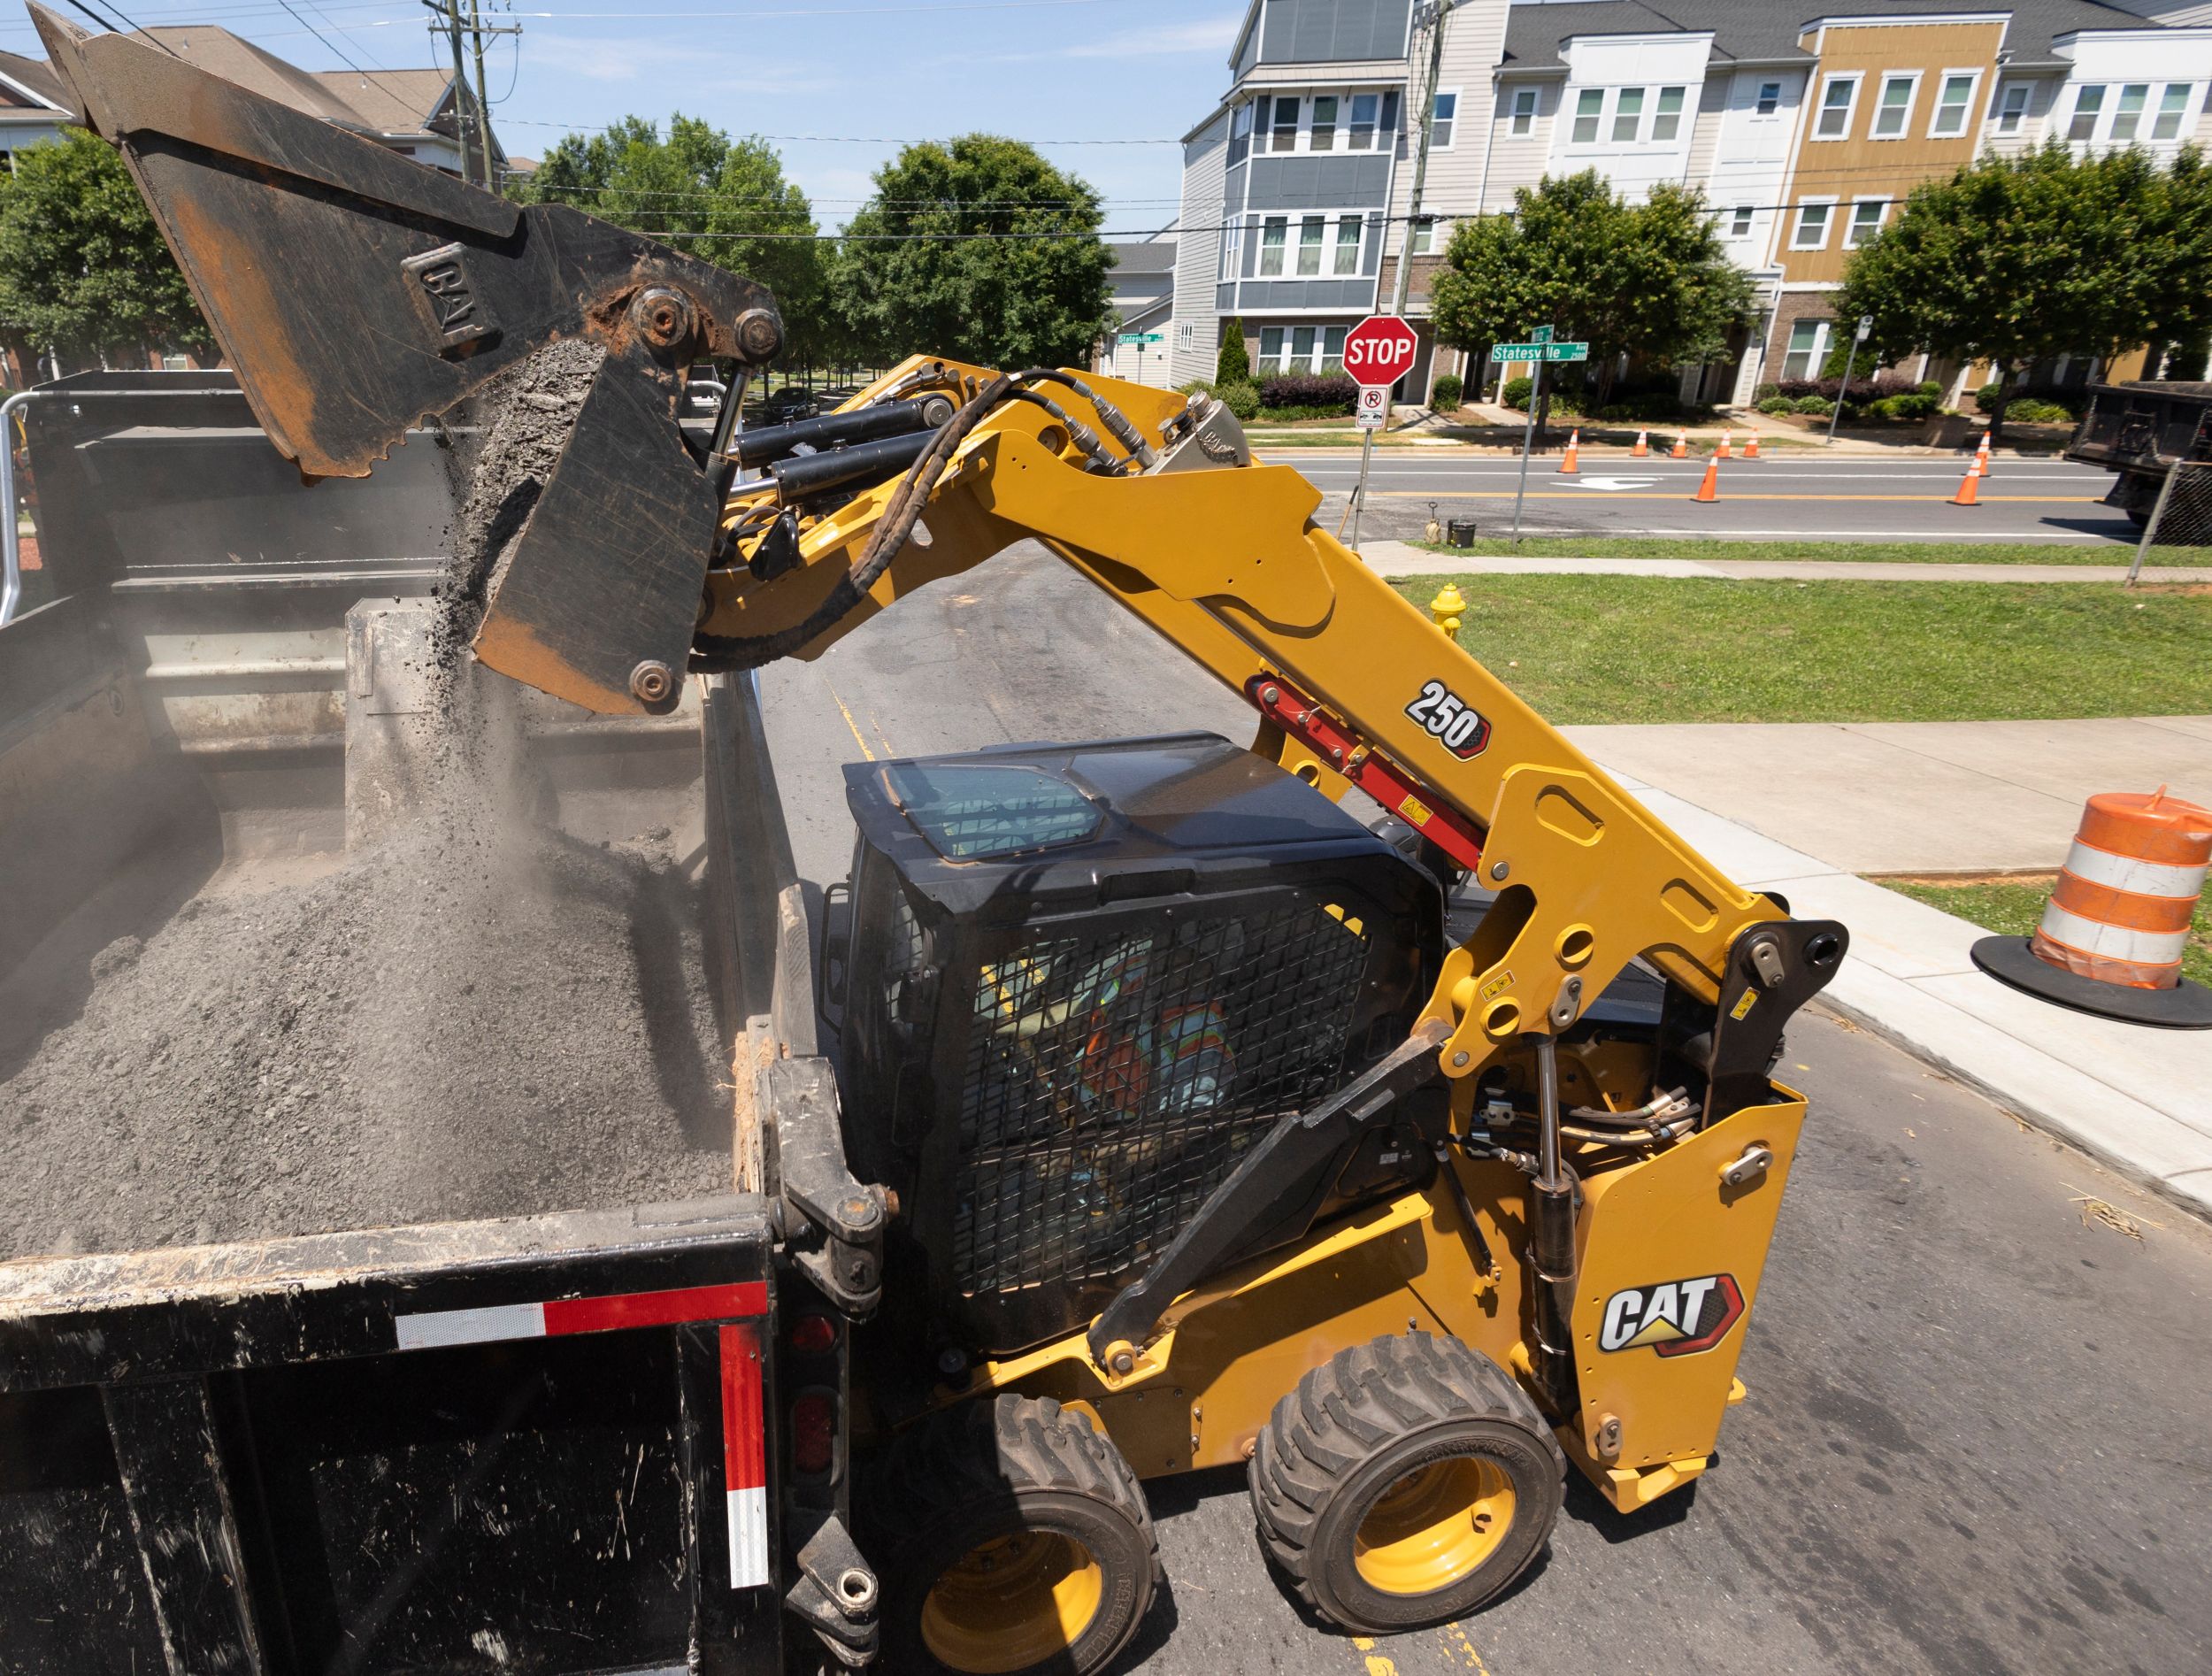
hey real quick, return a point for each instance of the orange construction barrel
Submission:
(2112, 934)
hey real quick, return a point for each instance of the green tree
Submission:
(698, 191)
(1647, 280)
(1233, 365)
(979, 250)
(83, 270)
(2014, 260)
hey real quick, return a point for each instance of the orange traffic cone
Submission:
(1642, 448)
(1970, 487)
(1981, 457)
(1571, 466)
(1751, 446)
(1721, 453)
(1709, 489)
(1681, 449)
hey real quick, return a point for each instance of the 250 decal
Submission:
(1451, 720)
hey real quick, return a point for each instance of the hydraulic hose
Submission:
(1119, 423)
(718, 654)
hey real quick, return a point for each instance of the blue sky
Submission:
(1047, 70)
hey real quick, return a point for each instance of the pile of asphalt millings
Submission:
(481, 1016)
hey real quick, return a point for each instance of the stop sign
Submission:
(1380, 349)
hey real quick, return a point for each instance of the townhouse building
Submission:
(1804, 128)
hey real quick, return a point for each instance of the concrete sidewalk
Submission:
(1801, 809)
(1402, 558)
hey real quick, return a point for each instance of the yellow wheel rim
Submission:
(1434, 1525)
(1014, 1602)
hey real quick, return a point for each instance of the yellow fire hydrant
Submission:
(1446, 609)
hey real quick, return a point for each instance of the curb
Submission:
(2137, 1099)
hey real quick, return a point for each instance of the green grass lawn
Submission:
(2012, 907)
(1702, 549)
(1645, 649)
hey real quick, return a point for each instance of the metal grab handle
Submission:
(11, 543)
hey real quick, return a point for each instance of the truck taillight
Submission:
(812, 1335)
(813, 1434)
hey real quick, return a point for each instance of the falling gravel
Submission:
(481, 1016)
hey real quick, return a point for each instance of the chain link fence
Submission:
(2180, 530)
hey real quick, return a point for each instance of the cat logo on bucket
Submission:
(1675, 1318)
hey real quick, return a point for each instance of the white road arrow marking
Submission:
(1615, 482)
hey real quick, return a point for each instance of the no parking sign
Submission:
(1372, 411)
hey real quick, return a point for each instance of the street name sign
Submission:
(1537, 350)
(1141, 337)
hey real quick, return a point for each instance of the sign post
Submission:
(1539, 351)
(1850, 361)
(1138, 339)
(1378, 351)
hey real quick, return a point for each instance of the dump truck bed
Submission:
(374, 1383)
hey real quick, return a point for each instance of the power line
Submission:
(104, 24)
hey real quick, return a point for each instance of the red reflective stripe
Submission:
(744, 1452)
(654, 1308)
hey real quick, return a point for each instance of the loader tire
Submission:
(1405, 1483)
(1016, 1539)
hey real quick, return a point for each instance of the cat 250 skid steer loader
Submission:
(1177, 1131)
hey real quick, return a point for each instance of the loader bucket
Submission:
(357, 294)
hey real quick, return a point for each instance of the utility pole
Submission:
(483, 98)
(1438, 10)
(445, 17)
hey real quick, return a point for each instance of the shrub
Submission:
(1241, 399)
(2030, 409)
(1233, 365)
(1334, 395)
(1819, 405)
(1516, 392)
(1929, 387)
(1776, 403)
(1196, 387)
(1444, 394)
(1766, 392)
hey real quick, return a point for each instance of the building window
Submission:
(1739, 221)
(1364, 121)
(1589, 103)
(1183, 335)
(1239, 134)
(2172, 105)
(1953, 104)
(2127, 115)
(1301, 339)
(1272, 231)
(1424, 235)
(1232, 250)
(1866, 220)
(1838, 95)
(1892, 112)
(1271, 348)
(1347, 236)
(1323, 134)
(1286, 125)
(2088, 105)
(1524, 110)
(1770, 98)
(176, 363)
(1309, 231)
(1666, 121)
(1809, 347)
(1628, 115)
(1443, 119)
(1811, 231)
(1333, 349)
(2012, 107)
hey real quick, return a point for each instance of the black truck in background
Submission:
(2141, 431)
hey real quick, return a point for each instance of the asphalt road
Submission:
(1786, 493)
(1975, 1439)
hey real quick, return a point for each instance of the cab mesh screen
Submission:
(1114, 1079)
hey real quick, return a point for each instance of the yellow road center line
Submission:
(1725, 495)
(858, 739)
(1376, 1665)
(1456, 1638)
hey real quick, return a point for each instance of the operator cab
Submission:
(1077, 983)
